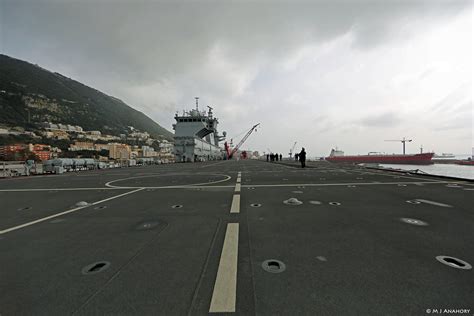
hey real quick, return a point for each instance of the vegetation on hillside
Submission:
(30, 94)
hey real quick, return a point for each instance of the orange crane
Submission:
(400, 140)
(230, 152)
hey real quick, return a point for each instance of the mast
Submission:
(197, 104)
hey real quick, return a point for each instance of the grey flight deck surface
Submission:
(183, 239)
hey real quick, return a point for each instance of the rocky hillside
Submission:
(30, 95)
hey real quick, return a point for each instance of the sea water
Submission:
(450, 170)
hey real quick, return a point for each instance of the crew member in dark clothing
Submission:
(302, 156)
(268, 157)
(276, 157)
(296, 157)
(281, 157)
(272, 157)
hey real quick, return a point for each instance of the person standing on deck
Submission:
(302, 157)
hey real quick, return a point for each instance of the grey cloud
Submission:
(388, 119)
(158, 55)
(455, 123)
(146, 40)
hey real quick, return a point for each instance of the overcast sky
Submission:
(323, 73)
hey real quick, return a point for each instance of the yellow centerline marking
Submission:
(225, 288)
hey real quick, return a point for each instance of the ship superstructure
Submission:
(196, 137)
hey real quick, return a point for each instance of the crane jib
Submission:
(242, 141)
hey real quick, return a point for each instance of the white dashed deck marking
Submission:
(225, 288)
(433, 203)
(235, 207)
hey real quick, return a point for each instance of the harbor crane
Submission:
(292, 149)
(230, 152)
(400, 140)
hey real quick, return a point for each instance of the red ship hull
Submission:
(465, 162)
(417, 159)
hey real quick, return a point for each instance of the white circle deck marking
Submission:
(226, 178)
(454, 186)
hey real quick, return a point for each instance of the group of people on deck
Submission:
(301, 156)
(274, 157)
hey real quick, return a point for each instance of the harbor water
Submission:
(450, 170)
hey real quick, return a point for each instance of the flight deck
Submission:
(244, 237)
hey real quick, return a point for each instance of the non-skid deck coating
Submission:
(191, 238)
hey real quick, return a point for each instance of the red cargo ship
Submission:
(465, 162)
(415, 159)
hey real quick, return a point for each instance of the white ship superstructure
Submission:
(196, 137)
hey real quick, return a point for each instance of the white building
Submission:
(139, 135)
(166, 147)
(148, 151)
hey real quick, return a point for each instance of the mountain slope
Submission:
(31, 94)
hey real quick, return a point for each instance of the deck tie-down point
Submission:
(95, 267)
(454, 262)
(273, 266)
